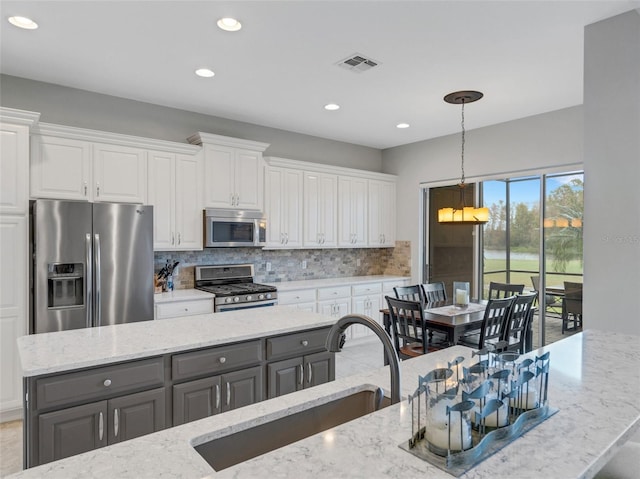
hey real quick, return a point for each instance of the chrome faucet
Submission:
(336, 335)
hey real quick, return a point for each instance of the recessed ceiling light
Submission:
(204, 72)
(331, 107)
(23, 22)
(402, 125)
(229, 24)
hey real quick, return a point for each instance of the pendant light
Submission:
(462, 214)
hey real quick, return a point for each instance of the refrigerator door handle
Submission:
(96, 258)
(88, 279)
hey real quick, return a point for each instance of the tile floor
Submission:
(355, 357)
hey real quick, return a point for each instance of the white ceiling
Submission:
(279, 70)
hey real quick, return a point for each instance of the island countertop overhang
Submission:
(48, 353)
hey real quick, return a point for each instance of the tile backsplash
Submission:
(286, 265)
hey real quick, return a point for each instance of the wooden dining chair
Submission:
(409, 293)
(504, 290)
(410, 335)
(434, 292)
(493, 325)
(572, 307)
(518, 323)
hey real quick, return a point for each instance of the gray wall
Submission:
(612, 170)
(550, 140)
(84, 109)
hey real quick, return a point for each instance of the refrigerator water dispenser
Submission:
(65, 285)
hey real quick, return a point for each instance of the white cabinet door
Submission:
(248, 180)
(219, 176)
(382, 213)
(13, 311)
(283, 207)
(188, 203)
(14, 169)
(352, 211)
(174, 192)
(320, 210)
(162, 189)
(234, 178)
(119, 174)
(60, 168)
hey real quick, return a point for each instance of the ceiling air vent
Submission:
(357, 63)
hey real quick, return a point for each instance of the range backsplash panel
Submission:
(286, 265)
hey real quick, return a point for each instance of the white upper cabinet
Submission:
(14, 168)
(283, 207)
(352, 211)
(174, 192)
(233, 172)
(119, 174)
(382, 213)
(77, 164)
(320, 210)
(60, 168)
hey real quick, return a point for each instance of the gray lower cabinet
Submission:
(305, 369)
(205, 397)
(79, 429)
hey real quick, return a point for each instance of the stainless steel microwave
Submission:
(233, 228)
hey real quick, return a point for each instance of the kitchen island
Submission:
(594, 383)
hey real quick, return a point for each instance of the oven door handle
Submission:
(236, 306)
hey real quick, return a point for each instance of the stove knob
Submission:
(249, 298)
(268, 295)
(236, 299)
(227, 300)
(261, 297)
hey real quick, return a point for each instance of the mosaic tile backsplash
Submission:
(286, 265)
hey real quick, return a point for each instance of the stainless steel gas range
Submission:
(233, 287)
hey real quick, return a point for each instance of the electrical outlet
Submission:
(268, 267)
(304, 264)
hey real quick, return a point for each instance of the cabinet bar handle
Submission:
(228, 394)
(85, 188)
(179, 238)
(310, 373)
(172, 239)
(101, 427)
(116, 422)
(217, 396)
(301, 375)
(98, 189)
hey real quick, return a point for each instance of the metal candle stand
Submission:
(459, 420)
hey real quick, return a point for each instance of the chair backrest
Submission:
(409, 293)
(504, 290)
(518, 321)
(535, 280)
(433, 292)
(572, 297)
(407, 322)
(494, 322)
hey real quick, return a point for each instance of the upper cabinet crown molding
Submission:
(19, 117)
(95, 136)
(330, 169)
(201, 138)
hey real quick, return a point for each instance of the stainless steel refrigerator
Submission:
(92, 264)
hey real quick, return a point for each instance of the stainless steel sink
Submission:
(229, 450)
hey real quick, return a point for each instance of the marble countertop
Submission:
(320, 283)
(79, 348)
(594, 382)
(181, 295)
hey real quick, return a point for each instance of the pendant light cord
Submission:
(462, 153)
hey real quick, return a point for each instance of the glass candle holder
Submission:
(461, 294)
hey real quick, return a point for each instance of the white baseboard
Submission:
(11, 415)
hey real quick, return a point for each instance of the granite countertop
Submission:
(80, 348)
(181, 295)
(320, 283)
(594, 382)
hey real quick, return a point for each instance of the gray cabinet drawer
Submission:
(297, 344)
(215, 360)
(99, 383)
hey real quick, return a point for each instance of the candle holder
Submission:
(461, 294)
(462, 415)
